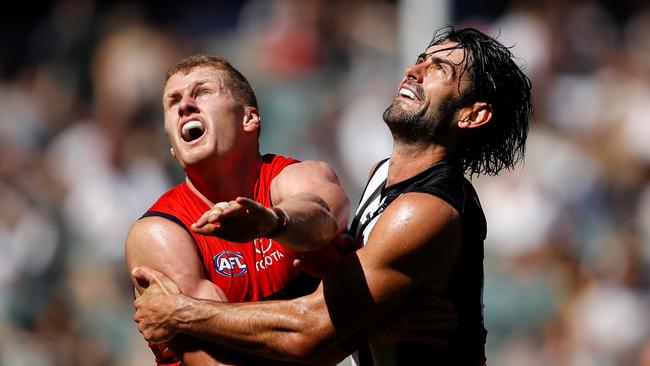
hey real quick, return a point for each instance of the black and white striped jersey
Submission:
(465, 288)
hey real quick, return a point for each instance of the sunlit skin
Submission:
(429, 236)
(434, 78)
(231, 131)
(435, 81)
(414, 244)
(220, 155)
(201, 95)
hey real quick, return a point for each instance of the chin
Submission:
(397, 113)
(194, 158)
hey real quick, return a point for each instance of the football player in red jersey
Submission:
(219, 248)
(461, 109)
(212, 121)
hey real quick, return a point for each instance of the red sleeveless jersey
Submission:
(251, 271)
(257, 270)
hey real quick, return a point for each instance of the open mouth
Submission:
(407, 93)
(192, 130)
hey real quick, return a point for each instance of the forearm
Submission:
(275, 330)
(207, 351)
(311, 225)
(196, 352)
(271, 355)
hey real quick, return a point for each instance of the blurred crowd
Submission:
(83, 155)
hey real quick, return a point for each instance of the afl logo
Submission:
(230, 264)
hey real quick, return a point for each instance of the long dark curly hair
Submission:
(496, 79)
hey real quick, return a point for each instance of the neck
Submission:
(225, 180)
(407, 160)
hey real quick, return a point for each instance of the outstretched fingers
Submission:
(212, 215)
(249, 205)
(211, 220)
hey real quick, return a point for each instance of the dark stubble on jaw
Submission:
(419, 126)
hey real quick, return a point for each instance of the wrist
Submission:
(189, 312)
(281, 222)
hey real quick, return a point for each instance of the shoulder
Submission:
(274, 164)
(166, 247)
(157, 228)
(418, 213)
(151, 238)
(309, 176)
(419, 235)
(443, 180)
(310, 167)
(307, 171)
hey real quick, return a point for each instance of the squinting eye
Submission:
(203, 92)
(173, 103)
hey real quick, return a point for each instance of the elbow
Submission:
(305, 348)
(311, 339)
(321, 234)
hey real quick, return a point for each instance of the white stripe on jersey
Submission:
(377, 179)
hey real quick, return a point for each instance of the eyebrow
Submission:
(193, 85)
(440, 60)
(445, 61)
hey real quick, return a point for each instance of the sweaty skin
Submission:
(309, 192)
(414, 244)
(362, 290)
(411, 250)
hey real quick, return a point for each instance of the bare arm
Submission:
(317, 206)
(163, 245)
(168, 249)
(416, 241)
(310, 195)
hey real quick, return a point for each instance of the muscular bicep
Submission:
(415, 241)
(166, 247)
(313, 180)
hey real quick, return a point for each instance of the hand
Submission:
(238, 221)
(157, 306)
(317, 263)
(414, 321)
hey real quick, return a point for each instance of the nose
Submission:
(414, 72)
(187, 105)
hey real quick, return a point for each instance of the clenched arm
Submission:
(309, 193)
(416, 241)
(317, 206)
(163, 245)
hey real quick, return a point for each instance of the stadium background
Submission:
(82, 155)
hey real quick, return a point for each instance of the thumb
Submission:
(148, 276)
(144, 275)
(244, 201)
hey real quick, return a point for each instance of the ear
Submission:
(171, 150)
(477, 115)
(252, 119)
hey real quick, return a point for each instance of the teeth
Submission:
(189, 126)
(407, 93)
